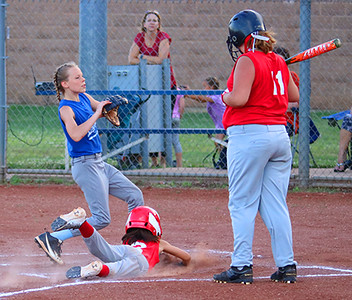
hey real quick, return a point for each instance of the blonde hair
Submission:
(265, 46)
(147, 13)
(60, 75)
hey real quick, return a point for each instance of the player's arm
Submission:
(292, 91)
(293, 105)
(166, 247)
(93, 103)
(199, 98)
(243, 81)
(164, 50)
(77, 132)
(133, 55)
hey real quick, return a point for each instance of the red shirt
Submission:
(154, 50)
(149, 250)
(289, 115)
(268, 100)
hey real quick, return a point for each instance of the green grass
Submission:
(35, 139)
(196, 147)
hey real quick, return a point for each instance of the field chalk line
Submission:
(334, 272)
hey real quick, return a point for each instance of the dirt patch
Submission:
(194, 219)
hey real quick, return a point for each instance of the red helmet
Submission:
(144, 217)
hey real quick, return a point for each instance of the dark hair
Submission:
(213, 82)
(139, 234)
(60, 75)
(149, 12)
(282, 51)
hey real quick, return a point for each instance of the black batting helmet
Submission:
(242, 25)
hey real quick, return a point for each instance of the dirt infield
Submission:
(193, 219)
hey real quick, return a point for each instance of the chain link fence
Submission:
(41, 35)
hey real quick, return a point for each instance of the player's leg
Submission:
(121, 187)
(51, 243)
(90, 175)
(345, 139)
(247, 155)
(51, 246)
(132, 265)
(176, 143)
(273, 208)
(123, 260)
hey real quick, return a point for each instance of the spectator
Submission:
(153, 45)
(176, 119)
(215, 106)
(345, 139)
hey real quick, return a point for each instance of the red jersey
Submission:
(149, 250)
(268, 99)
(154, 50)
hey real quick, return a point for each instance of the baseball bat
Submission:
(314, 51)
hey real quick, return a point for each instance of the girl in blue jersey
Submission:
(78, 113)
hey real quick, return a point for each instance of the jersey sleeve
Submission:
(163, 35)
(217, 99)
(139, 39)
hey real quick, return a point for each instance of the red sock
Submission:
(86, 229)
(104, 271)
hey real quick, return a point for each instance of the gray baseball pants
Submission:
(122, 260)
(98, 180)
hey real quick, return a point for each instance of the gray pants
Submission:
(259, 166)
(97, 180)
(122, 260)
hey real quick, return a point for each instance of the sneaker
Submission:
(93, 269)
(234, 275)
(72, 220)
(51, 246)
(285, 274)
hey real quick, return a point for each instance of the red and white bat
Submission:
(314, 51)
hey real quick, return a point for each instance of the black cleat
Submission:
(234, 275)
(51, 246)
(93, 269)
(72, 220)
(285, 274)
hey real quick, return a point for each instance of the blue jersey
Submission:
(90, 143)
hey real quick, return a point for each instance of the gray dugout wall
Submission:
(151, 115)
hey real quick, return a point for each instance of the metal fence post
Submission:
(305, 92)
(144, 113)
(3, 102)
(167, 111)
(93, 49)
(93, 46)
